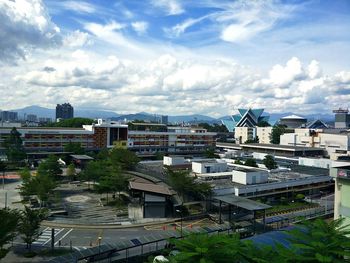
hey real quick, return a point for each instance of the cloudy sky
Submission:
(176, 56)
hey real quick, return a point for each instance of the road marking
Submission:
(70, 230)
(54, 236)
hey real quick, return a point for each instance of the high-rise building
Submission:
(32, 118)
(342, 118)
(164, 119)
(9, 116)
(64, 111)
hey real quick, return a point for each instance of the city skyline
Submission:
(176, 57)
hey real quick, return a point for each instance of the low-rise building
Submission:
(248, 176)
(209, 166)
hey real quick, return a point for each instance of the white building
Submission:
(174, 160)
(248, 176)
(209, 166)
(263, 133)
(334, 143)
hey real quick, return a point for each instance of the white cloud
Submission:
(77, 39)
(170, 7)
(25, 24)
(140, 27)
(79, 6)
(283, 76)
(180, 28)
(242, 20)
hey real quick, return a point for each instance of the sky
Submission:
(176, 56)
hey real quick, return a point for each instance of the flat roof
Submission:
(81, 157)
(242, 202)
(280, 147)
(152, 188)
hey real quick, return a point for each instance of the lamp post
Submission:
(99, 244)
(180, 212)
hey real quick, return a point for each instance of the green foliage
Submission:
(210, 153)
(25, 174)
(8, 226)
(213, 128)
(29, 224)
(3, 166)
(250, 162)
(44, 182)
(263, 124)
(124, 158)
(95, 170)
(72, 123)
(50, 167)
(74, 147)
(184, 184)
(238, 162)
(276, 132)
(300, 197)
(270, 162)
(14, 147)
(319, 241)
(103, 154)
(159, 156)
(255, 140)
(209, 249)
(71, 173)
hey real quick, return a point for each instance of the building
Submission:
(64, 111)
(249, 176)
(342, 118)
(292, 121)
(244, 134)
(342, 193)
(10, 116)
(174, 140)
(245, 118)
(31, 118)
(335, 142)
(264, 133)
(209, 166)
(315, 124)
(181, 140)
(164, 119)
(44, 120)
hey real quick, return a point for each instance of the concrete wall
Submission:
(242, 134)
(174, 160)
(209, 167)
(250, 177)
(264, 134)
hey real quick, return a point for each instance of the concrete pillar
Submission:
(337, 198)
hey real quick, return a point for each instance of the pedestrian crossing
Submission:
(45, 236)
(80, 248)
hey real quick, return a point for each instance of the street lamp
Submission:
(180, 212)
(99, 244)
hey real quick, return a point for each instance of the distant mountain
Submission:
(192, 118)
(51, 113)
(142, 116)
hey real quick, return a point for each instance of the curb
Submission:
(105, 226)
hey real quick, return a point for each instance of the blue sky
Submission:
(176, 57)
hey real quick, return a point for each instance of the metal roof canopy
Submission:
(242, 202)
(81, 157)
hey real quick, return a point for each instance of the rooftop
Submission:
(242, 202)
(280, 147)
(151, 188)
(293, 117)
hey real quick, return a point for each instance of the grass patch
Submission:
(289, 206)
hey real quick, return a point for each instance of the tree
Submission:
(184, 184)
(3, 169)
(209, 249)
(50, 167)
(210, 153)
(238, 162)
(124, 158)
(14, 147)
(74, 147)
(270, 162)
(71, 172)
(263, 124)
(250, 162)
(276, 133)
(8, 227)
(25, 174)
(318, 241)
(94, 170)
(29, 224)
(72, 123)
(255, 140)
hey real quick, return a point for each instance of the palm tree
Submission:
(209, 249)
(319, 241)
